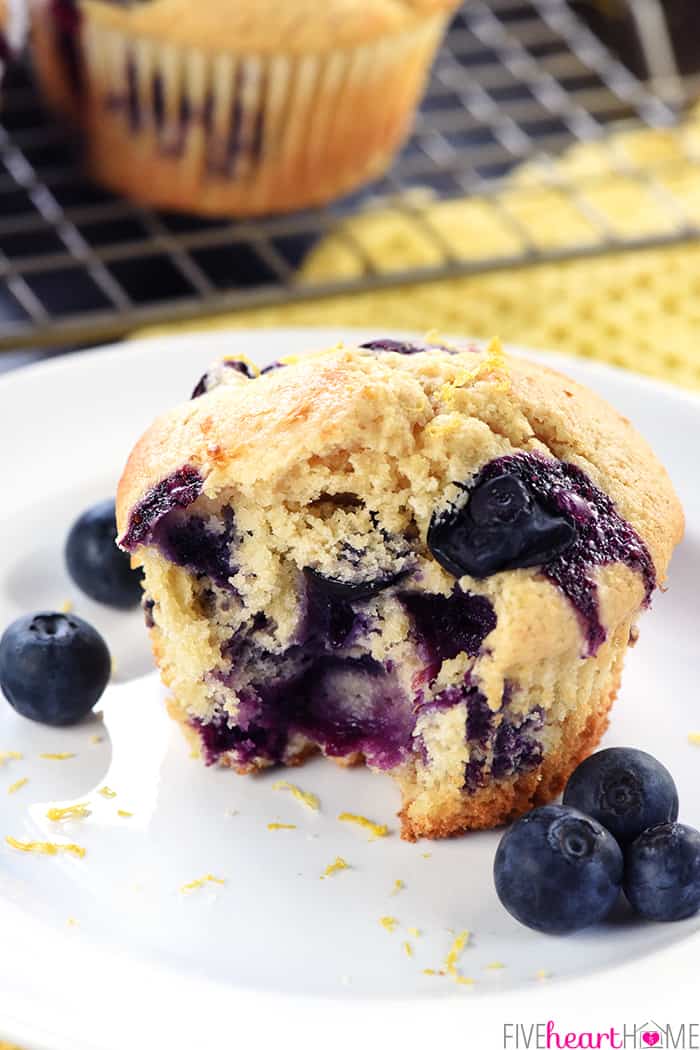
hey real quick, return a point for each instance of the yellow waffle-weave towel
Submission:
(636, 309)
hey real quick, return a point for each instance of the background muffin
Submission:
(237, 108)
(426, 559)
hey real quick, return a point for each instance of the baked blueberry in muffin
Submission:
(430, 559)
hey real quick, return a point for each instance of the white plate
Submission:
(267, 950)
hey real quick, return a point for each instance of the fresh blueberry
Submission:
(662, 873)
(625, 789)
(356, 590)
(501, 526)
(53, 667)
(557, 870)
(96, 564)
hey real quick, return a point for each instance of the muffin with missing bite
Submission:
(427, 558)
(237, 108)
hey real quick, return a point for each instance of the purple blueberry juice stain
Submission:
(447, 626)
(189, 541)
(513, 742)
(602, 536)
(177, 490)
(321, 702)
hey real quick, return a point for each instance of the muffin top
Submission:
(412, 433)
(295, 27)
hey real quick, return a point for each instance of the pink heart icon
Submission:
(650, 1038)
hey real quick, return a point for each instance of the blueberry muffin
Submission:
(237, 108)
(427, 558)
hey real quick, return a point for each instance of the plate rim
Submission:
(634, 973)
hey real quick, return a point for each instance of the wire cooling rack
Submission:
(515, 80)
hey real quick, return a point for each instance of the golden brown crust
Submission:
(344, 401)
(295, 27)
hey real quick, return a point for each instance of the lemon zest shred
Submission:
(378, 830)
(197, 884)
(67, 606)
(469, 981)
(413, 931)
(426, 856)
(398, 886)
(96, 739)
(339, 864)
(389, 923)
(408, 948)
(458, 945)
(6, 756)
(124, 813)
(17, 785)
(76, 812)
(48, 848)
(72, 922)
(694, 738)
(107, 792)
(495, 966)
(493, 365)
(307, 797)
(57, 756)
(277, 826)
(430, 972)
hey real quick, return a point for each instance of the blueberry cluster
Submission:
(560, 868)
(54, 667)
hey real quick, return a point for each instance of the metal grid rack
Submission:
(515, 80)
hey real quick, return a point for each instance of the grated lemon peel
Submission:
(7, 756)
(492, 366)
(17, 785)
(495, 966)
(413, 931)
(378, 831)
(107, 792)
(399, 885)
(339, 864)
(453, 956)
(389, 923)
(48, 848)
(307, 797)
(277, 826)
(124, 813)
(408, 948)
(57, 756)
(694, 738)
(197, 884)
(76, 812)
